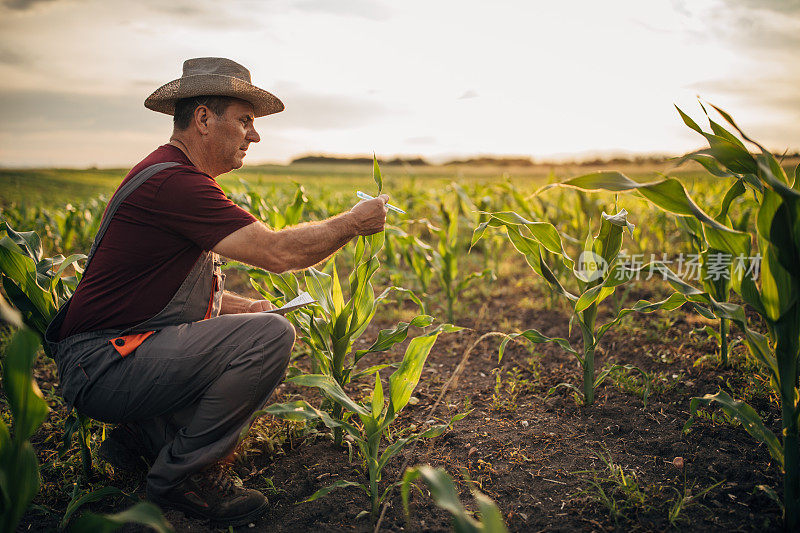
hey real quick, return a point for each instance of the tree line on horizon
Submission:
(496, 161)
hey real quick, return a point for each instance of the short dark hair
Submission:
(185, 107)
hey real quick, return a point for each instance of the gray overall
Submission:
(188, 377)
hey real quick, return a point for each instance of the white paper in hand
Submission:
(302, 299)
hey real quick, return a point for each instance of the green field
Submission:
(56, 187)
(569, 386)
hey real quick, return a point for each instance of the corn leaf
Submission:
(27, 404)
(744, 414)
(404, 380)
(319, 287)
(490, 516)
(328, 386)
(90, 497)
(144, 513)
(535, 337)
(377, 398)
(376, 173)
(342, 483)
(389, 337)
(21, 483)
(444, 494)
(28, 241)
(670, 196)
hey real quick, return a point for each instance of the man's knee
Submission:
(285, 335)
(277, 337)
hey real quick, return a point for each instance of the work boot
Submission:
(125, 449)
(212, 494)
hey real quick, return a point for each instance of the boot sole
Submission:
(234, 521)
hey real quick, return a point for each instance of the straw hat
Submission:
(215, 76)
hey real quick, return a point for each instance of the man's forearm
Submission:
(307, 244)
(233, 304)
(302, 246)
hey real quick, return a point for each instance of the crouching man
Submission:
(150, 340)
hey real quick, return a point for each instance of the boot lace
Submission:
(217, 477)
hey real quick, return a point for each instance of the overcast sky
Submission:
(431, 78)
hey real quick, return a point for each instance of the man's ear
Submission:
(201, 115)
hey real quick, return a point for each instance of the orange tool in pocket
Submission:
(214, 289)
(128, 343)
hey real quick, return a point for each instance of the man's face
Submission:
(230, 134)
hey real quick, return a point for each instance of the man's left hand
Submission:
(260, 305)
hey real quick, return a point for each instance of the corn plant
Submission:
(70, 228)
(331, 326)
(19, 469)
(445, 494)
(38, 291)
(30, 281)
(776, 298)
(715, 273)
(253, 202)
(373, 417)
(448, 249)
(597, 273)
(415, 255)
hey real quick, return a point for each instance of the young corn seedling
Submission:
(30, 281)
(597, 273)
(253, 202)
(445, 494)
(413, 255)
(38, 291)
(371, 419)
(715, 274)
(331, 326)
(776, 296)
(446, 255)
(776, 300)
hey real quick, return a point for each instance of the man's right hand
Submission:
(370, 215)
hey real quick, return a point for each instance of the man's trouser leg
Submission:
(209, 375)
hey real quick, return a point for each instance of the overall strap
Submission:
(122, 193)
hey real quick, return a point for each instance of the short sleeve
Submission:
(194, 206)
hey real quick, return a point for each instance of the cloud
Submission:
(210, 14)
(23, 5)
(756, 26)
(48, 111)
(12, 57)
(788, 7)
(367, 9)
(424, 140)
(777, 94)
(307, 110)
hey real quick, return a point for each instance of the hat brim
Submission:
(163, 99)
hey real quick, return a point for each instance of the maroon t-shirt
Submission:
(151, 244)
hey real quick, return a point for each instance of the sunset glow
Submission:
(436, 79)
